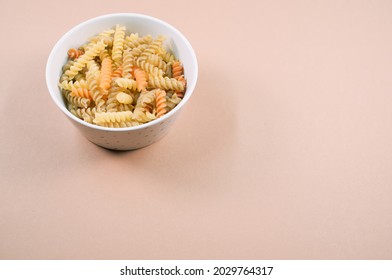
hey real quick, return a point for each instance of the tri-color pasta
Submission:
(121, 79)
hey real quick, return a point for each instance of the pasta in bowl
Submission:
(122, 79)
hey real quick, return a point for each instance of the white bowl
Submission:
(131, 137)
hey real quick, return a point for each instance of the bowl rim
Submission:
(65, 36)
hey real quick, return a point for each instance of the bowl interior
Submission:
(135, 23)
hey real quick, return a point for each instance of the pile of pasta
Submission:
(122, 80)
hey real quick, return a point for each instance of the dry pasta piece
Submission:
(143, 116)
(112, 102)
(77, 101)
(180, 93)
(167, 56)
(160, 102)
(152, 48)
(136, 52)
(103, 54)
(157, 61)
(69, 85)
(133, 41)
(125, 107)
(177, 69)
(84, 59)
(172, 102)
(112, 117)
(149, 68)
(100, 37)
(74, 53)
(92, 81)
(86, 114)
(106, 39)
(106, 73)
(144, 108)
(118, 72)
(166, 83)
(81, 92)
(118, 45)
(127, 64)
(124, 98)
(146, 97)
(141, 79)
(126, 83)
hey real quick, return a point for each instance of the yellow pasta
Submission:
(122, 80)
(118, 45)
(126, 83)
(124, 98)
(82, 61)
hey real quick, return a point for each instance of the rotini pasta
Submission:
(84, 59)
(157, 61)
(118, 72)
(77, 101)
(127, 83)
(92, 76)
(128, 61)
(160, 102)
(124, 98)
(177, 69)
(133, 41)
(166, 83)
(118, 45)
(74, 53)
(149, 68)
(121, 80)
(81, 92)
(141, 79)
(106, 73)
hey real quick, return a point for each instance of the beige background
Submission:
(283, 152)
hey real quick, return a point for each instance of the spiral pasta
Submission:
(166, 83)
(160, 102)
(143, 116)
(149, 68)
(121, 80)
(86, 114)
(167, 56)
(118, 45)
(172, 102)
(141, 79)
(157, 61)
(112, 117)
(84, 59)
(124, 98)
(181, 79)
(112, 102)
(74, 53)
(92, 81)
(153, 48)
(127, 83)
(69, 85)
(133, 40)
(177, 69)
(81, 92)
(118, 72)
(128, 61)
(77, 101)
(106, 73)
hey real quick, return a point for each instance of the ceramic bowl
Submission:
(131, 137)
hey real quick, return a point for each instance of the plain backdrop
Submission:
(283, 152)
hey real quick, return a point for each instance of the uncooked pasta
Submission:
(121, 79)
